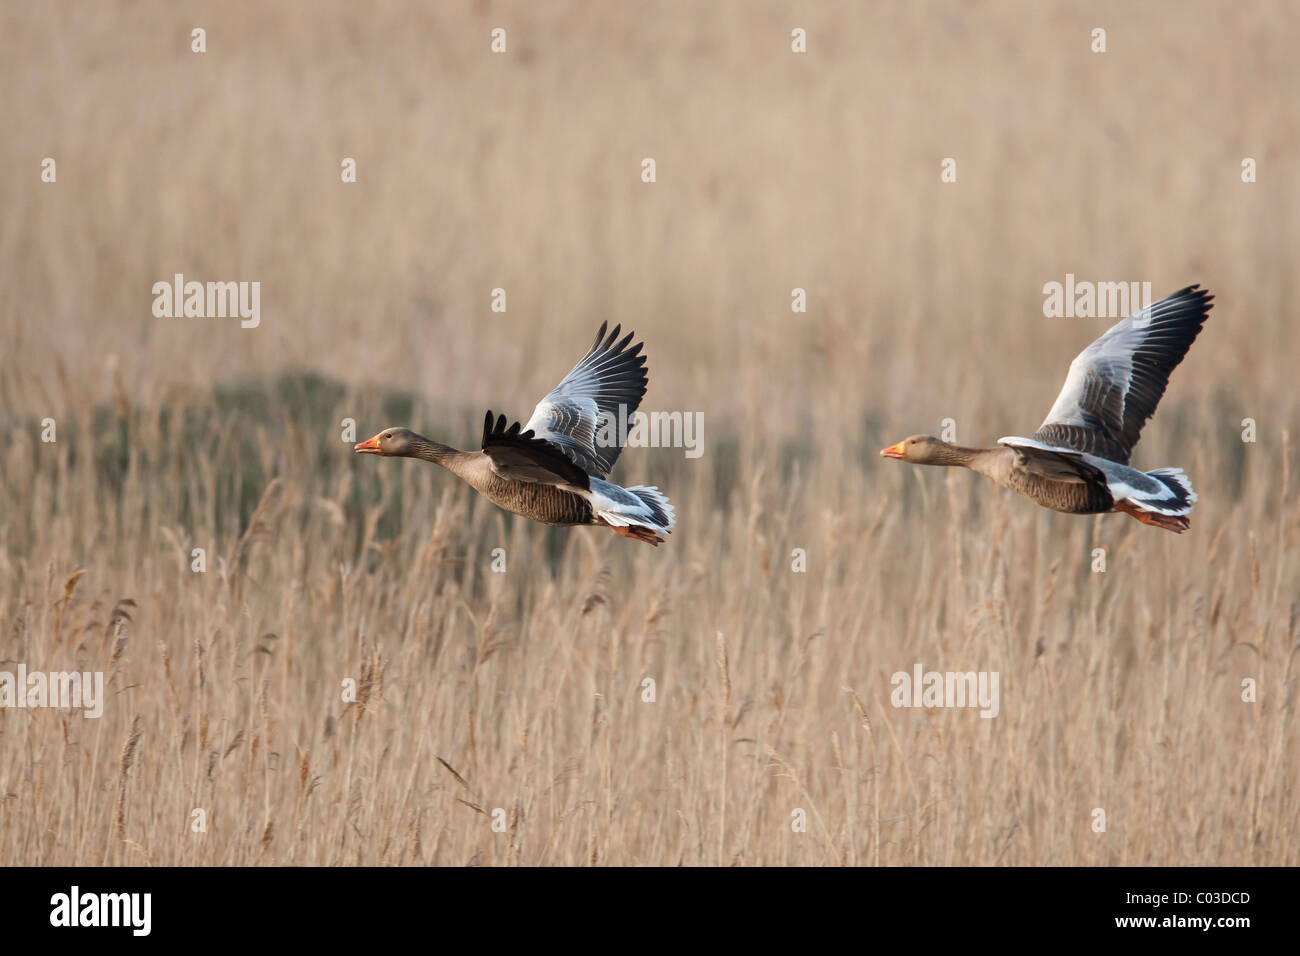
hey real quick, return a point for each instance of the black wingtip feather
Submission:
(1193, 296)
(499, 436)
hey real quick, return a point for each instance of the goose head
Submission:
(391, 442)
(920, 450)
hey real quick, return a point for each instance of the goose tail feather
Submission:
(639, 512)
(1176, 498)
(1167, 505)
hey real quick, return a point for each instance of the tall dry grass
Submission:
(522, 692)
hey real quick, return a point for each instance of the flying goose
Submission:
(1077, 461)
(553, 468)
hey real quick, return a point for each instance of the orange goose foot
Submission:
(637, 532)
(1175, 523)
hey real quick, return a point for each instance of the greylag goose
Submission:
(1077, 461)
(553, 468)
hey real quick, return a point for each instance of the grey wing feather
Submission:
(1057, 464)
(581, 415)
(1114, 384)
(519, 455)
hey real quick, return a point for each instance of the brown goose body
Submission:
(1076, 493)
(549, 504)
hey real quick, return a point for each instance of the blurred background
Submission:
(522, 171)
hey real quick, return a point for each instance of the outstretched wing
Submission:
(1056, 464)
(1115, 383)
(520, 456)
(581, 416)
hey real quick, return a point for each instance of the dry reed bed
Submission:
(1119, 690)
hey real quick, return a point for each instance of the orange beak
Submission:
(368, 447)
(893, 451)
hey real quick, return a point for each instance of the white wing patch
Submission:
(571, 416)
(1109, 361)
(1012, 441)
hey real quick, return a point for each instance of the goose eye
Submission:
(388, 438)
